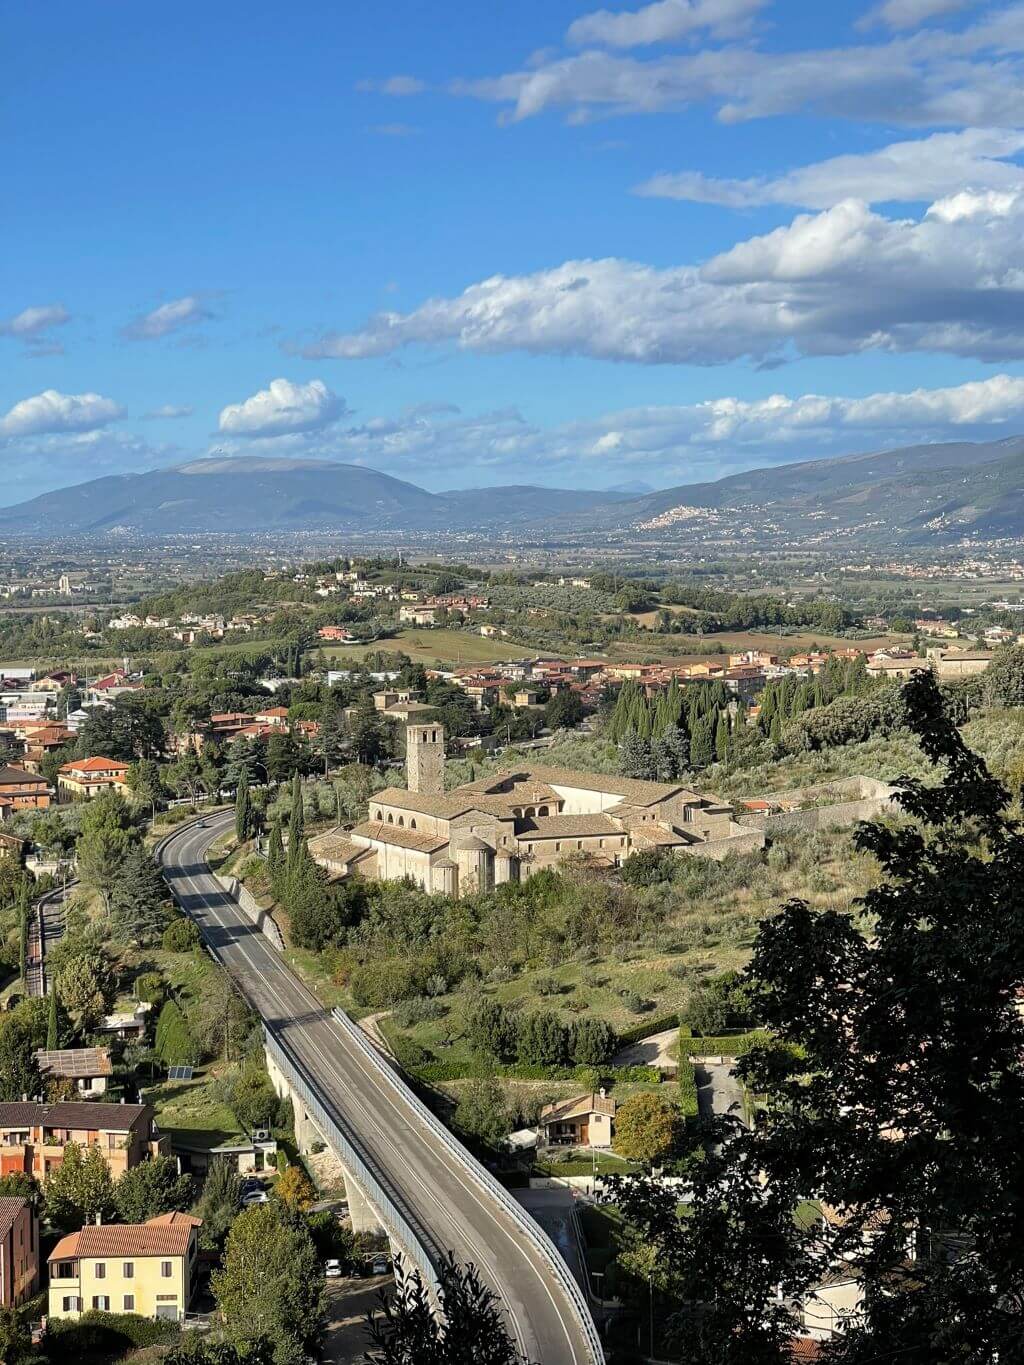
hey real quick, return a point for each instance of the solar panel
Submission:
(179, 1073)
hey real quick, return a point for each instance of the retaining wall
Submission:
(262, 919)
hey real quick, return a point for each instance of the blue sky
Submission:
(480, 244)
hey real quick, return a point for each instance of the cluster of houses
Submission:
(146, 1268)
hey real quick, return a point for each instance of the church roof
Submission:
(567, 827)
(399, 836)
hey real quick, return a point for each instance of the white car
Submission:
(332, 1269)
(254, 1197)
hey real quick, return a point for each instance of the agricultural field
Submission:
(434, 646)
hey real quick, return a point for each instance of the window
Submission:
(412, 822)
(558, 847)
(166, 1269)
(401, 820)
(71, 1303)
(128, 1270)
(102, 1302)
(129, 1303)
(101, 1270)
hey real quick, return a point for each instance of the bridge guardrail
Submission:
(483, 1178)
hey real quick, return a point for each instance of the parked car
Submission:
(332, 1269)
(380, 1265)
(255, 1197)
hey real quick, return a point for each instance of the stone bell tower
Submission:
(424, 758)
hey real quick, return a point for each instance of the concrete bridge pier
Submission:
(362, 1213)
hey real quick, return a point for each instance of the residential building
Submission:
(19, 1251)
(146, 1268)
(33, 1135)
(12, 848)
(418, 615)
(89, 1067)
(511, 824)
(83, 778)
(21, 790)
(584, 1121)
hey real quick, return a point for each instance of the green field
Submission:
(435, 646)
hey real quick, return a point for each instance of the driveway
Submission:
(348, 1302)
(719, 1093)
(658, 1050)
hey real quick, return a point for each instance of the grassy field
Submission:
(430, 646)
(193, 1110)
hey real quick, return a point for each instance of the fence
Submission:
(531, 1231)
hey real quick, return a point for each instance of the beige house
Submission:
(83, 778)
(509, 825)
(145, 1268)
(585, 1121)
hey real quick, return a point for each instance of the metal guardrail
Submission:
(416, 1243)
(490, 1186)
(419, 1244)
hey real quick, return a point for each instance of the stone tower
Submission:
(424, 758)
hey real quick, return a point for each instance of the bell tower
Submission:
(424, 758)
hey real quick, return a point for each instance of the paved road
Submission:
(379, 1120)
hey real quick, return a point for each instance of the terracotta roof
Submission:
(443, 806)
(155, 1238)
(11, 776)
(567, 827)
(10, 1207)
(110, 1118)
(334, 847)
(636, 792)
(399, 836)
(658, 835)
(175, 1219)
(93, 765)
(578, 1107)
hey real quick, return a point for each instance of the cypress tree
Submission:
(296, 825)
(276, 863)
(52, 1032)
(701, 743)
(722, 737)
(243, 808)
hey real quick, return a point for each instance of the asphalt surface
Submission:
(379, 1120)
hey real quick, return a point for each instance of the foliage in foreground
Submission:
(896, 1100)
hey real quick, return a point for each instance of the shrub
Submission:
(547, 985)
(591, 1042)
(417, 1010)
(376, 985)
(633, 1002)
(105, 1336)
(181, 936)
(150, 987)
(175, 1045)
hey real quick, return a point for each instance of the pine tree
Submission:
(243, 809)
(635, 757)
(138, 898)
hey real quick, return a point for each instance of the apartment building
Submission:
(145, 1268)
(19, 1251)
(83, 778)
(33, 1135)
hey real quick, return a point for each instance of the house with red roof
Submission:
(84, 778)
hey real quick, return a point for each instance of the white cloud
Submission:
(910, 13)
(166, 412)
(283, 408)
(401, 86)
(32, 322)
(839, 282)
(920, 170)
(51, 411)
(932, 77)
(168, 318)
(670, 443)
(663, 21)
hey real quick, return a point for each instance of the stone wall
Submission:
(261, 919)
(865, 799)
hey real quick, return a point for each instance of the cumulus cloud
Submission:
(31, 323)
(670, 443)
(283, 408)
(51, 411)
(168, 318)
(663, 21)
(918, 170)
(931, 77)
(839, 282)
(166, 412)
(901, 14)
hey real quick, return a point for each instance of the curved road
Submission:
(380, 1122)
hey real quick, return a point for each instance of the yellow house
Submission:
(145, 1268)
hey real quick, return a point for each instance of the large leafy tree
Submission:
(469, 1330)
(271, 1284)
(894, 1095)
(151, 1188)
(79, 1189)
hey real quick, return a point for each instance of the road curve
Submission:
(380, 1120)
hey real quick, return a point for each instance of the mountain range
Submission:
(914, 495)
